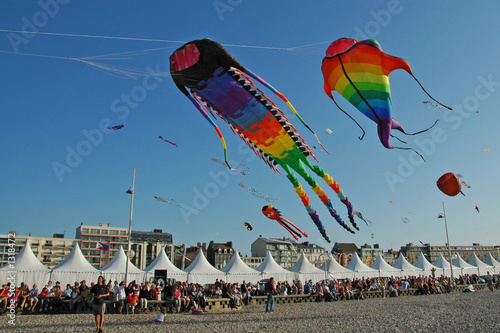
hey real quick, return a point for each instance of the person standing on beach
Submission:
(489, 280)
(270, 290)
(100, 291)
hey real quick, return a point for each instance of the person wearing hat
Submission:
(270, 290)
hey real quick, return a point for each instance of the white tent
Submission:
(202, 272)
(306, 271)
(383, 268)
(74, 268)
(269, 268)
(465, 268)
(237, 271)
(423, 264)
(491, 261)
(336, 270)
(482, 268)
(444, 266)
(25, 268)
(162, 262)
(115, 269)
(360, 268)
(404, 266)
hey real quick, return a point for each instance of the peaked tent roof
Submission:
(269, 268)
(423, 263)
(383, 267)
(402, 264)
(357, 265)
(237, 266)
(475, 261)
(119, 263)
(74, 267)
(304, 266)
(491, 261)
(459, 262)
(75, 262)
(200, 265)
(201, 271)
(27, 267)
(336, 270)
(162, 262)
(26, 260)
(237, 271)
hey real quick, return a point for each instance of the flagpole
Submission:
(131, 191)
(448, 240)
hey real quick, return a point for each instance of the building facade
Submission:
(49, 250)
(432, 252)
(219, 254)
(114, 237)
(286, 252)
(147, 245)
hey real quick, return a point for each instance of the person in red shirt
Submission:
(270, 290)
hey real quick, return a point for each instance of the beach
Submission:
(454, 312)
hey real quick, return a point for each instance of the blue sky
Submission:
(61, 166)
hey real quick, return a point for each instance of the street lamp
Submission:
(447, 239)
(129, 253)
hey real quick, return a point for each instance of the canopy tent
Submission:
(237, 271)
(360, 269)
(423, 264)
(383, 268)
(201, 271)
(491, 261)
(336, 270)
(25, 268)
(404, 266)
(115, 269)
(465, 268)
(162, 262)
(74, 268)
(482, 268)
(269, 268)
(306, 271)
(444, 266)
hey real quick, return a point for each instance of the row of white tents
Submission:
(28, 269)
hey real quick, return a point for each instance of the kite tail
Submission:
(310, 210)
(422, 131)
(324, 198)
(347, 114)
(425, 91)
(294, 233)
(340, 194)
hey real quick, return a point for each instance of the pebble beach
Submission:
(455, 312)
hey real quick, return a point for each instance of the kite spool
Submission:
(449, 184)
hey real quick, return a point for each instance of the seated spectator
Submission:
(218, 293)
(4, 294)
(13, 297)
(24, 293)
(176, 294)
(153, 293)
(33, 297)
(66, 294)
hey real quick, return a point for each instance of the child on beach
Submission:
(162, 316)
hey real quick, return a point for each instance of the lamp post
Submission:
(447, 239)
(131, 192)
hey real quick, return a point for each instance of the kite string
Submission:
(156, 40)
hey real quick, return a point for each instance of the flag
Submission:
(440, 215)
(102, 246)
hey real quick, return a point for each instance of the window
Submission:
(94, 231)
(104, 232)
(113, 232)
(123, 232)
(85, 230)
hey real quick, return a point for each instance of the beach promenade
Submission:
(454, 312)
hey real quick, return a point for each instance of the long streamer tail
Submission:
(425, 91)
(310, 210)
(294, 233)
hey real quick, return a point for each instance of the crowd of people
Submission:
(181, 296)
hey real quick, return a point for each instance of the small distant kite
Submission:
(462, 182)
(477, 208)
(114, 128)
(274, 214)
(170, 201)
(240, 168)
(406, 220)
(372, 235)
(172, 143)
(329, 131)
(431, 105)
(256, 193)
(440, 216)
(392, 203)
(358, 214)
(248, 226)
(486, 150)
(449, 184)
